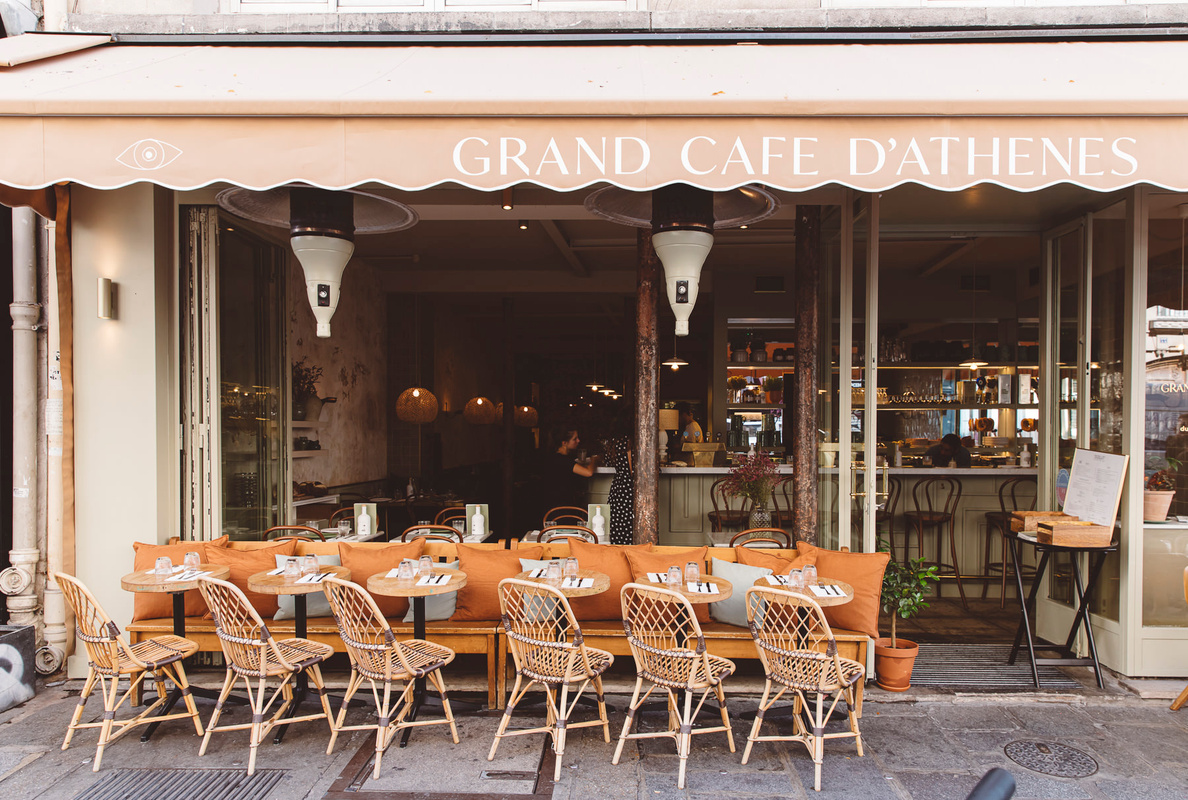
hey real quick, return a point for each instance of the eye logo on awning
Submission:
(149, 154)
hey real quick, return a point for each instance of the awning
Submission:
(1103, 115)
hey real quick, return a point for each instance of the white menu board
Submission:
(1095, 486)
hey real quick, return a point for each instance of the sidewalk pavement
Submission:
(925, 745)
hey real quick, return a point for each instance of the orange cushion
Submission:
(657, 561)
(780, 562)
(363, 562)
(246, 563)
(151, 605)
(611, 560)
(863, 571)
(479, 598)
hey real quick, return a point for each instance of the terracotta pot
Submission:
(894, 662)
(1156, 505)
(776, 397)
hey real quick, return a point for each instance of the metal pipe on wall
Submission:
(19, 580)
(58, 634)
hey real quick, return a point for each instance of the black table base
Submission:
(420, 696)
(1097, 559)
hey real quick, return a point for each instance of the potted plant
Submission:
(753, 477)
(774, 386)
(905, 587)
(736, 383)
(306, 403)
(1160, 491)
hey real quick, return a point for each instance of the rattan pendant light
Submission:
(417, 404)
(480, 411)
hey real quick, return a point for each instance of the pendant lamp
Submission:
(417, 404)
(974, 362)
(479, 411)
(676, 362)
(526, 417)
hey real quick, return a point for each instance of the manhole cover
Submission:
(1051, 758)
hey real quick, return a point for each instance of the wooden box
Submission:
(1022, 521)
(1074, 533)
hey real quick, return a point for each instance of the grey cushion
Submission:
(733, 610)
(437, 606)
(316, 604)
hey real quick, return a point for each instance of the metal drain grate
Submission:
(183, 784)
(1051, 758)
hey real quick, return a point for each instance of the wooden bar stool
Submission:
(935, 501)
(1012, 496)
(887, 514)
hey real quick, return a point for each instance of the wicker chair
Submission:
(777, 536)
(547, 647)
(565, 514)
(376, 657)
(661, 626)
(251, 652)
(799, 654)
(109, 658)
(442, 533)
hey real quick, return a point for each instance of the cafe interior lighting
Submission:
(479, 411)
(523, 224)
(676, 362)
(973, 362)
(417, 405)
(106, 304)
(508, 203)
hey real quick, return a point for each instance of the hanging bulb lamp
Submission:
(526, 417)
(676, 362)
(480, 411)
(416, 405)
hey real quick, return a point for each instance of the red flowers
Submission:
(753, 477)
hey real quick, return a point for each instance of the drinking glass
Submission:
(674, 576)
(164, 566)
(192, 560)
(692, 572)
(426, 565)
(553, 572)
(796, 580)
(404, 572)
(344, 527)
(809, 571)
(292, 568)
(310, 565)
(459, 524)
(571, 567)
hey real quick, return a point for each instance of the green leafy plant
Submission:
(906, 587)
(1164, 480)
(305, 379)
(736, 383)
(773, 383)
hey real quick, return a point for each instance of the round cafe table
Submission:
(821, 600)
(724, 589)
(147, 580)
(267, 583)
(380, 583)
(601, 583)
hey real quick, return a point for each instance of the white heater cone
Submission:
(682, 253)
(323, 259)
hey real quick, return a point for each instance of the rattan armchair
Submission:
(376, 657)
(799, 655)
(251, 652)
(110, 658)
(669, 650)
(546, 644)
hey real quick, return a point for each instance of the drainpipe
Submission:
(18, 581)
(58, 635)
(53, 15)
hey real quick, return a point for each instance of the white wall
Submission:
(126, 473)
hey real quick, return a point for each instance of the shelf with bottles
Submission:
(306, 443)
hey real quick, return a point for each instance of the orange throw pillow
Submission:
(655, 561)
(611, 560)
(863, 571)
(246, 563)
(479, 598)
(363, 562)
(778, 564)
(152, 605)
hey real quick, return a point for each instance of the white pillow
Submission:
(316, 604)
(437, 606)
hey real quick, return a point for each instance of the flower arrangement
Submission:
(1165, 479)
(752, 477)
(305, 379)
(736, 383)
(773, 383)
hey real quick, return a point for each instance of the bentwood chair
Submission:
(754, 536)
(444, 533)
(799, 655)
(669, 650)
(560, 515)
(563, 533)
(251, 652)
(110, 658)
(730, 511)
(376, 657)
(547, 647)
(447, 515)
(295, 531)
(1014, 494)
(935, 502)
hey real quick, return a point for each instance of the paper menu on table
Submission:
(1095, 486)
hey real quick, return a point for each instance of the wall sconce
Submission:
(508, 205)
(523, 224)
(107, 299)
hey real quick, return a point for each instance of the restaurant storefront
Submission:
(1053, 186)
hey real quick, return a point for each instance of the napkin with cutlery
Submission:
(433, 580)
(188, 575)
(701, 587)
(827, 590)
(316, 577)
(577, 583)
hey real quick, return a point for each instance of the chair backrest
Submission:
(1012, 491)
(445, 533)
(782, 495)
(556, 533)
(894, 490)
(937, 495)
(97, 631)
(753, 536)
(449, 513)
(347, 512)
(299, 530)
(725, 503)
(542, 633)
(246, 641)
(565, 514)
(793, 638)
(364, 631)
(665, 638)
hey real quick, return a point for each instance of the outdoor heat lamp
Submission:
(322, 227)
(683, 219)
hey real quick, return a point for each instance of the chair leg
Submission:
(178, 674)
(315, 672)
(507, 713)
(850, 711)
(352, 687)
(1179, 701)
(602, 710)
(953, 552)
(818, 739)
(991, 529)
(88, 687)
(754, 735)
(721, 693)
(109, 704)
(1002, 597)
(439, 684)
(684, 738)
(631, 709)
(258, 727)
(559, 731)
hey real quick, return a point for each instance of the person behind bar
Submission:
(562, 474)
(949, 449)
(691, 430)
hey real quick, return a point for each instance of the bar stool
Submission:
(887, 514)
(1009, 495)
(935, 501)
